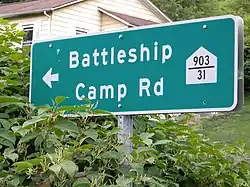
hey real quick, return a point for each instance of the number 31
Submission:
(202, 74)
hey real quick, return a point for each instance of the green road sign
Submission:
(189, 66)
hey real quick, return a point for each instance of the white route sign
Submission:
(201, 67)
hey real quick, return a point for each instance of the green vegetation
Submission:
(40, 147)
(230, 127)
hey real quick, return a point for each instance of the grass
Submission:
(230, 127)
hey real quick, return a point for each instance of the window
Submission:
(28, 38)
(80, 31)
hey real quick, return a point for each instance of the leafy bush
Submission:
(14, 63)
(40, 146)
(49, 149)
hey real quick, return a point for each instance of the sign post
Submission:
(125, 123)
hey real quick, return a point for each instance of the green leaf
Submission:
(29, 137)
(9, 150)
(13, 83)
(145, 149)
(87, 146)
(8, 104)
(35, 161)
(11, 99)
(154, 171)
(145, 138)
(146, 135)
(87, 100)
(21, 166)
(111, 154)
(38, 141)
(15, 128)
(6, 124)
(5, 135)
(81, 183)
(122, 149)
(69, 167)
(12, 156)
(66, 108)
(138, 168)
(56, 169)
(148, 142)
(67, 125)
(21, 131)
(98, 111)
(6, 142)
(32, 121)
(150, 160)
(123, 182)
(14, 182)
(4, 116)
(114, 131)
(60, 99)
(162, 142)
(58, 132)
(91, 133)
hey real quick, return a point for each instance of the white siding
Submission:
(130, 7)
(86, 15)
(110, 24)
(41, 25)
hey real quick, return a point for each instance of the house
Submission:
(44, 19)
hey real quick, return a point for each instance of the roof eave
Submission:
(24, 13)
(115, 17)
(67, 4)
(155, 10)
(38, 11)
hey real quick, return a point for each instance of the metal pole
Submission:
(125, 123)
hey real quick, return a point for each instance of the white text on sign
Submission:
(111, 56)
(119, 91)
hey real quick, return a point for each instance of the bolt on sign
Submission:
(187, 66)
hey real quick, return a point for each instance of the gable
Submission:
(110, 24)
(145, 7)
(130, 7)
(130, 21)
(87, 16)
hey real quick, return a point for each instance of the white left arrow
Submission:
(49, 77)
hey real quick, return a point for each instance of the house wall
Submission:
(86, 15)
(83, 15)
(109, 24)
(41, 25)
(129, 7)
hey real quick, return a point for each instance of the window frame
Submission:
(25, 28)
(81, 31)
